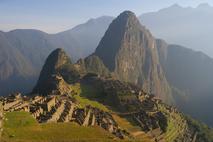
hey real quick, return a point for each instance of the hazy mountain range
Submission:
(187, 26)
(23, 52)
(188, 73)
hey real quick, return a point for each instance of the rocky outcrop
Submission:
(93, 64)
(129, 51)
(56, 72)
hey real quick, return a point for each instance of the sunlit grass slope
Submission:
(22, 127)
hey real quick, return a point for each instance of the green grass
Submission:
(86, 90)
(90, 91)
(127, 125)
(19, 119)
(84, 102)
(203, 131)
(175, 126)
(171, 132)
(80, 96)
(22, 127)
(76, 88)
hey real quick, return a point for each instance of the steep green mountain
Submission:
(123, 50)
(129, 51)
(58, 62)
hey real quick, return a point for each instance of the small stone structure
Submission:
(50, 102)
(15, 102)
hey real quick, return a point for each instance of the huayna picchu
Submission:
(129, 51)
(115, 94)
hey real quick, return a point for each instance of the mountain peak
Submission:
(128, 50)
(58, 58)
(127, 13)
(112, 41)
(128, 17)
(58, 51)
(56, 61)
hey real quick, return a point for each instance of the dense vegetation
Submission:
(202, 130)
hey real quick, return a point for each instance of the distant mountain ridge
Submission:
(187, 26)
(24, 51)
(88, 35)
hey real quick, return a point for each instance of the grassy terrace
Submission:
(84, 102)
(22, 127)
(81, 92)
(132, 128)
(172, 132)
(176, 125)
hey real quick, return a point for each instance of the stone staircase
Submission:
(134, 130)
(11, 105)
(58, 111)
(47, 115)
(38, 100)
(66, 115)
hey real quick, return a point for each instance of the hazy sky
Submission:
(58, 15)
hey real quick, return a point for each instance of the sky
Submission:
(53, 16)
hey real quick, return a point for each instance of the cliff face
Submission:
(129, 51)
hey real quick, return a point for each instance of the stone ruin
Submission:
(15, 102)
(91, 116)
(147, 114)
(62, 108)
